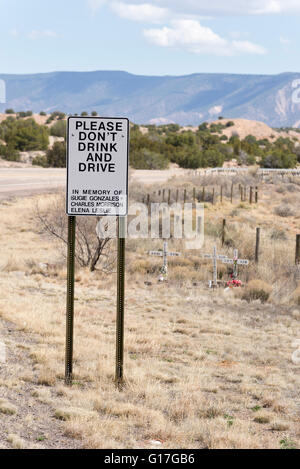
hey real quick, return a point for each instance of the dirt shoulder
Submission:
(26, 420)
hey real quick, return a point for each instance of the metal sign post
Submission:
(164, 254)
(97, 185)
(215, 259)
(70, 300)
(120, 303)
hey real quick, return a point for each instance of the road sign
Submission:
(165, 254)
(215, 257)
(97, 184)
(97, 166)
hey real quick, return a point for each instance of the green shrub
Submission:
(56, 156)
(23, 114)
(279, 160)
(203, 126)
(24, 135)
(9, 153)
(40, 160)
(213, 158)
(146, 159)
(59, 129)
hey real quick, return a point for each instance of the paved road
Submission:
(16, 182)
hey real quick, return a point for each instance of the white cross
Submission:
(164, 254)
(215, 258)
(236, 261)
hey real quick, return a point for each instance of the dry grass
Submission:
(257, 290)
(7, 408)
(203, 369)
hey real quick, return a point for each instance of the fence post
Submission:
(223, 231)
(221, 194)
(251, 195)
(194, 194)
(184, 196)
(163, 195)
(203, 194)
(256, 194)
(213, 196)
(169, 197)
(257, 245)
(231, 194)
(297, 257)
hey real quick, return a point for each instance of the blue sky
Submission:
(152, 37)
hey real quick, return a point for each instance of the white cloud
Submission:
(221, 7)
(144, 12)
(215, 7)
(35, 34)
(215, 111)
(192, 36)
(161, 121)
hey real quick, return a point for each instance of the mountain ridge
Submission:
(184, 99)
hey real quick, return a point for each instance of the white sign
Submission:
(156, 253)
(97, 166)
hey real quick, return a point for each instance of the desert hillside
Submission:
(260, 130)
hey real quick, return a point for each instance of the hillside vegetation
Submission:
(155, 147)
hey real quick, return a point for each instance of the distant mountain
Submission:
(186, 100)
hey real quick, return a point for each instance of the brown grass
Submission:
(196, 361)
